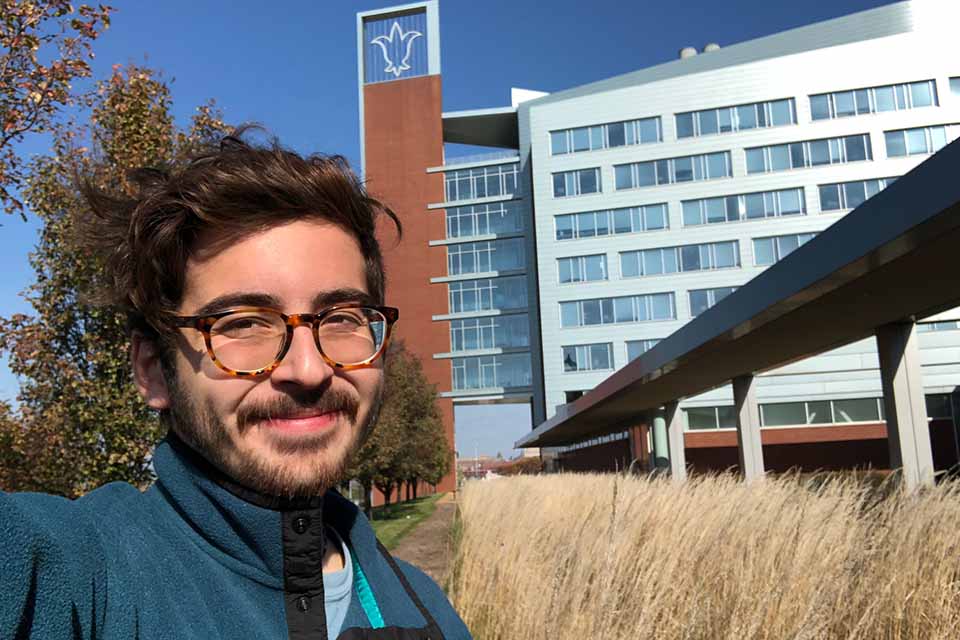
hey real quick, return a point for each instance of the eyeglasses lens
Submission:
(252, 340)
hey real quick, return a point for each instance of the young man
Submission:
(254, 286)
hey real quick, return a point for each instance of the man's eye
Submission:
(246, 325)
(343, 321)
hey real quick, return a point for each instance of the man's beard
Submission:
(200, 426)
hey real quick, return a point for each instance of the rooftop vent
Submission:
(713, 46)
(687, 52)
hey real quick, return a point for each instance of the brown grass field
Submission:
(607, 556)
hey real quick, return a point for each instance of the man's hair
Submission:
(240, 188)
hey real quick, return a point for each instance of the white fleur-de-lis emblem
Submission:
(397, 41)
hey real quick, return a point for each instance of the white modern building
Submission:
(624, 208)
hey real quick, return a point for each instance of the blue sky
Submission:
(292, 67)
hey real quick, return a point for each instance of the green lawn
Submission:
(393, 522)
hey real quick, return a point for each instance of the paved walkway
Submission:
(429, 546)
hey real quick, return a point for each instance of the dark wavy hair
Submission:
(144, 240)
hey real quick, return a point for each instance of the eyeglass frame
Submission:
(204, 323)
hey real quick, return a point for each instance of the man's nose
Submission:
(303, 365)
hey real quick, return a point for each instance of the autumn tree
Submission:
(409, 443)
(45, 46)
(80, 422)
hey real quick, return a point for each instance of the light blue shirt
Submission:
(337, 589)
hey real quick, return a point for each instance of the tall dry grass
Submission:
(604, 556)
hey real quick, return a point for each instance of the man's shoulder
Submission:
(435, 600)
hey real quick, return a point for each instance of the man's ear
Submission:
(148, 371)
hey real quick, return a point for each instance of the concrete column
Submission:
(677, 452)
(749, 446)
(905, 409)
(661, 448)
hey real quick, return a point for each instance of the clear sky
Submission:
(292, 67)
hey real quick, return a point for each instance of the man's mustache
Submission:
(291, 406)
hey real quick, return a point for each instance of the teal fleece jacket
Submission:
(191, 559)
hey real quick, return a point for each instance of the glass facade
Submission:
(947, 325)
(742, 117)
(891, 97)
(492, 372)
(918, 141)
(700, 418)
(592, 224)
(481, 257)
(772, 249)
(605, 136)
(576, 183)
(582, 268)
(481, 182)
(691, 257)
(480, 219)
(487, 294)
(850, 195)
(636, 348)
(809, 153)
(708, 166)
(748, 206)
(643, 308)
(491, 332)
(588, 357)
(703, 299)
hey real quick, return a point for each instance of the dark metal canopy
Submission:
(483, 127)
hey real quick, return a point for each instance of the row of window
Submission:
(605, 136)
(481, 182)
(946, 325)
(624, 309)
(480, 219)
(892, 97)
(599, 356)
(811, 412)
(732, 208)
(680, 259)
(484, 256)
(491, 372)
(487, 294)
(763, 159)
(745, 117)
(492, 332)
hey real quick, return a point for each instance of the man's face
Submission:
(291, 431)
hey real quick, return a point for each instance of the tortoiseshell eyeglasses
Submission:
(252, 341)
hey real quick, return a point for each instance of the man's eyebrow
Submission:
(340, 296)
(238, 299)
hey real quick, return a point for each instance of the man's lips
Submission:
(303, 423)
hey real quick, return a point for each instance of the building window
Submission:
(643, 308)
(772, 249)
(773, 113)
(850, 195)
(492, 372)
(703, 299)
(481, 182)
(809, 153)
(918, 141)
(783, 414)
(481, 257)
(588, 357)
(709, 166)
(948, 325)
(481, 219)
(701, 418)
(691, 257)
(493, 332)
(582, 268)
(604, 136)
(487, 294)
(894, 97)
(939, 406)
(591, 224)
(572, 396)
(576, 183)
(636, 348)
(955, 86)
(748, 206)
